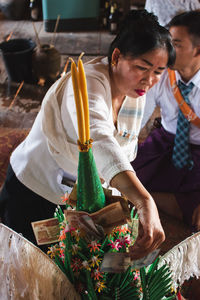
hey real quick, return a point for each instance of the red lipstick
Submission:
(140, 92)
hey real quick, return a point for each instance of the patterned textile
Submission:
(181, 156)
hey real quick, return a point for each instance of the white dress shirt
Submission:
(161, 95)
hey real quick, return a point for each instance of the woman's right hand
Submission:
(150, 234)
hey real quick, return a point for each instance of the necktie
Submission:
(181, 155)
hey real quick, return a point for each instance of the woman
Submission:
(49, 155)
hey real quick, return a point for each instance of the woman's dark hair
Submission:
(139, 33)
(191, 20)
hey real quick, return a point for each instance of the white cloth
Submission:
(51, 147)
(183, 260)
(165, 10)
(161, 95)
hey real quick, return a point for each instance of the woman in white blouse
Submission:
(117, 85)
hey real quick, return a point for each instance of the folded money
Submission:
(146, 260)
(92, 230)
(118, 262)
(115, 262)
(108, 217)
(109, 199)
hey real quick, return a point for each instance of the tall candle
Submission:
(79, 103)
(83, 89)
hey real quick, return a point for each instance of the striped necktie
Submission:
(181, 156)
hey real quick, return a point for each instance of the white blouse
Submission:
(50, 150)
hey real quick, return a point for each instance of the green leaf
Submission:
(125, 277)
(112, 281)
(152, 268)
(61, 265)
(127, 291)
(143, 277)
(156, 283)
(68, 265)
(90, 286)
(159, 284)
(157, 274)
(158, 295)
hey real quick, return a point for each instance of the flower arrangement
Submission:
(80, 256)
(84, 239)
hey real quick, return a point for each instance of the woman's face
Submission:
(133, 77)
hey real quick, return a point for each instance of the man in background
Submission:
(169, 159)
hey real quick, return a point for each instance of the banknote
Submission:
(46, 231)
(108, 217)
(115, 213)
(92, 230)
(145, 261)
(119, 262)
(115, 262)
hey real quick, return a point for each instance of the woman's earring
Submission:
(113, 63)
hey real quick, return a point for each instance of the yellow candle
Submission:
(79, 104)
(83, 89)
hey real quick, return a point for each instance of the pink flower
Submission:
(63, 232)
(69, 228)
(123, 241)
(137, 273)
(114, 245)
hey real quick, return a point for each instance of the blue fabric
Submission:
(181, 156)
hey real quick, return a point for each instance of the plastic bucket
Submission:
(17, 57)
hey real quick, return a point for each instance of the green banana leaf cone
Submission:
(90, 194)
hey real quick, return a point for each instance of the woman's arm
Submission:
(151, 233)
